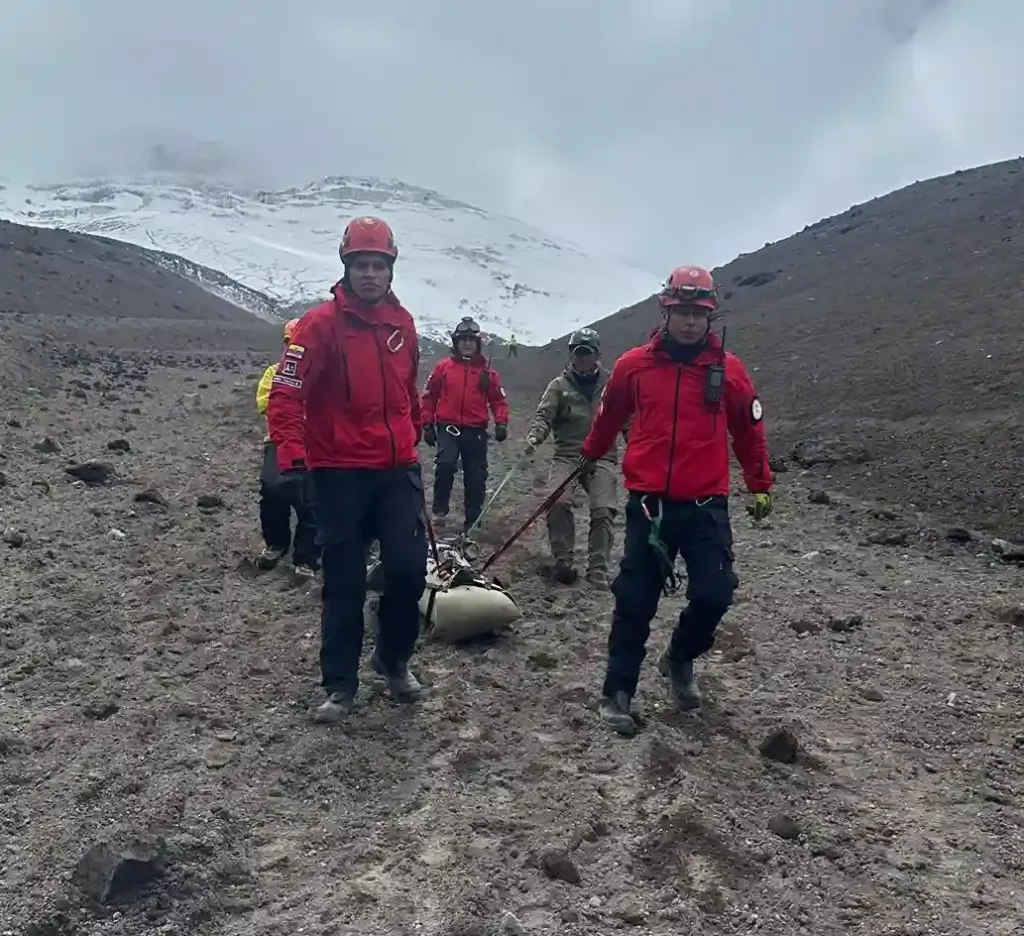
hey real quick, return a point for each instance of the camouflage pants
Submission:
(601, 492)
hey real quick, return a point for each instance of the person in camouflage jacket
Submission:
(566, 411)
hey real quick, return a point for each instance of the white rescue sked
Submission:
(458, 604)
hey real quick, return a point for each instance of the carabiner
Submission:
(452, 430)
(646, 510)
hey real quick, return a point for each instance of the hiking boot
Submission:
(269, 558)
(614, 711)
(403, 686)
(338, 705)
(598, 578)
(685, 693)
(564, 572)
(303, 573)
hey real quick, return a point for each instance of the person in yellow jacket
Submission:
(276, 505)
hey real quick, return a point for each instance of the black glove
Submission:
(500, 432)
(587, 468)
(293, 483)
(430, 434)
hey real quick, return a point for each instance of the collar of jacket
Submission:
(476, 360)
(387, 311)
(711, 353)
(598, 375)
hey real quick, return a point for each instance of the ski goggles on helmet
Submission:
(467, 328)
(687, 293)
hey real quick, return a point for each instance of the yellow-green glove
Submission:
(761, 507)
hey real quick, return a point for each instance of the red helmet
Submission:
(690, 286)
(368, 235)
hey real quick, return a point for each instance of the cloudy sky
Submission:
(681, 130)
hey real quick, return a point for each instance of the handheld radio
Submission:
(714, 380)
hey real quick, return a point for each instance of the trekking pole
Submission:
(545, 506)
(483, 513)
(431, 538)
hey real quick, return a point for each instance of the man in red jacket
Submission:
(685, 395)
(459, 392)
(351, 371)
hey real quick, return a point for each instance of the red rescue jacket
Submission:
(351, 369)
(457, 393)
(677, 446)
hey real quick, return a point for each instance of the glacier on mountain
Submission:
(454, 259)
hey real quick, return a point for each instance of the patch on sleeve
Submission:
(288, 382)
(295, 351)
(290, 368)
(756, 411)
(501, 390)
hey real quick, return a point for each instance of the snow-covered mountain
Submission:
(454, 259)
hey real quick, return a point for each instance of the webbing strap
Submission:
(669, 579)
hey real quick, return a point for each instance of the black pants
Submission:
(701, 533)
(471, 446)
(354, 507)
(276, 514)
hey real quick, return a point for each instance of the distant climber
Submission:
(458, 394)
(688, 394)
(351, 368)
(567, 411)
(277, 503)
(513, 347)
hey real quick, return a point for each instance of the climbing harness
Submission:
(669, 581)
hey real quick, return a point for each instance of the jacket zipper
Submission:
(384, 396)
(348, 385)
(462, 404)
(675, 422)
